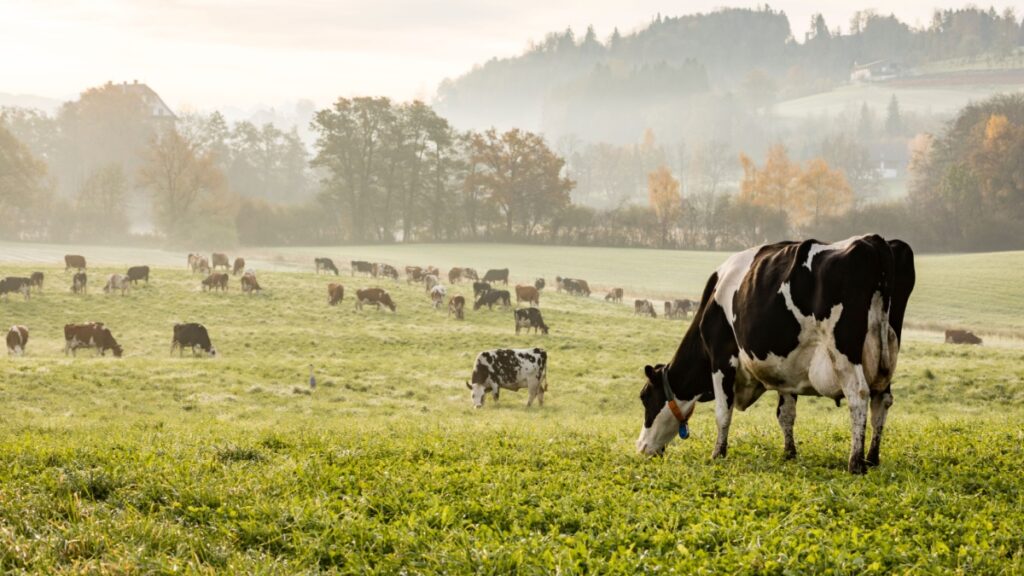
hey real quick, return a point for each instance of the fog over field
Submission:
(387, 287)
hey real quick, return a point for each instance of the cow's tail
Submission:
(886, 289)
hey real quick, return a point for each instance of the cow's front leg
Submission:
(533, 394)
(786, 414)
(856, 391)
(722, 381)
(880, 403)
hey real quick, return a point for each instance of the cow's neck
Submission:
(689, 371)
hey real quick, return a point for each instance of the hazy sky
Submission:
(219, 53)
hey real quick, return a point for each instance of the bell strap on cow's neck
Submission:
(670, 398)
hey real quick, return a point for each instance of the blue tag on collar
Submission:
(684, 431)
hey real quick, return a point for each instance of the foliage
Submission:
(154, 463)
(664, 198)
(23, 190)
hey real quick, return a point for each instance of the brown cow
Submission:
(470, 274)
(335, 293)
(17, 339)
(249, 283)
(455, 275)
(413, 274)
(74, 261)
(457, 306)
(614, 295)
(216, 280)
(219, 259)
(527, 294)
(376, 296)
(961, 337)
(90, 335)
(239, 266)
(203, 265)
(37, 281)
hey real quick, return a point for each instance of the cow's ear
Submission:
(649, 372)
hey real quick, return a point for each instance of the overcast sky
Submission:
(217, 53)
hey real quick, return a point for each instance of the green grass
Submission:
(154, 464)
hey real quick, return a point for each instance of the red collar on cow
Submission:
(670, 399)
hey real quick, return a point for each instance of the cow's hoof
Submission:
(857, 466)
(719, 453)
(789, 454)
(872, 459)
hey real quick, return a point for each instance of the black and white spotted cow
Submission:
(799, 318)
(511, 369)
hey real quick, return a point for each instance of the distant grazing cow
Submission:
(116, 282)
(15, 284)
(539, 283)
(495, 276)
(961, 337)
(479, 288)
(527, 294)
(431, 271)
(582, 288)
(387, 271)
(136, 273)
(74, 261)
(527, 318)
(17, 339)
(216, 281)
(375, 296)
(429, 281)
(455, 275)
(239, 267)
(78, 283)
(492, 297)
(614, 295)
(335, 293)
(457, 306)
(37, 281)
(470, 274)
(191, 335)
(362, 267)
(249, 283)
(796, 318)
(644, 308)
(413, 274)
(91, 335)
(203, 265)
(220, 260)
(573, 286)
(325, 265)
(511, 369)
(437, 295)
(193, 262)
(679, 308)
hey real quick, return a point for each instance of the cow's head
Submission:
(386, 300)
(478, 392)
(662, 420)
(112, 344)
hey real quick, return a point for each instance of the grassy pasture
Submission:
(153, 463)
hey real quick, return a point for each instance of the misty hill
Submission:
(31, 101)
(686, 74)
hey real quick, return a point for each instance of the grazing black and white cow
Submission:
(15, 284)
(511, 369)
(17, 339)
(362, 267)
(527, 318)
(78, 283)
(644, 308)
(492, 297)
(192, 335)
(799, 318)
(325, 265)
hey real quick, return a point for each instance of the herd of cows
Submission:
(796, 318)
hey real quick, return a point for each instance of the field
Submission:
(155, 464)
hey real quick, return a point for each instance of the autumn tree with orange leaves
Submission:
(663, 196)
(805, 194)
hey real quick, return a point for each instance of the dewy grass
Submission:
(154, 463)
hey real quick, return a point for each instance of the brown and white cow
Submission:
(455, 275)
(457, 306)
(220, 260)
(413, 274)
(90, 335)
(614, 295)
(116, 282)
(376, 297)
(437, 295)
(527, 294)
(17, 339)
(74, 261)
(962, 337)
(335, 293)
(249, 283)
(78, 283)
(644, 307)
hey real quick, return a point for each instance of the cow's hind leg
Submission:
(880, 403)
(722, 381)
(786, 414)
(855, 388)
